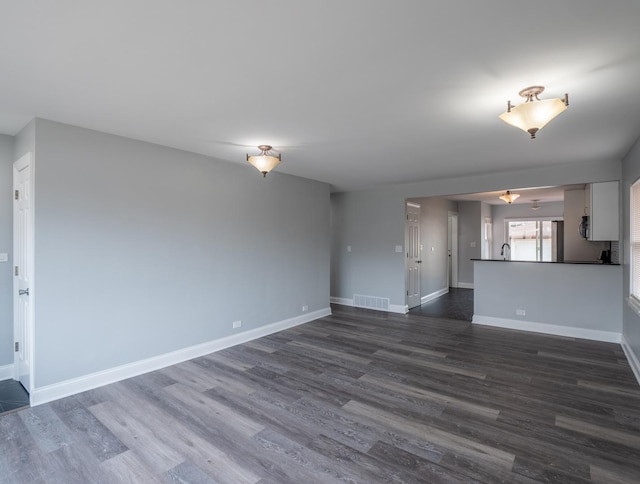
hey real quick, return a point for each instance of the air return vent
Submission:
(371, 302)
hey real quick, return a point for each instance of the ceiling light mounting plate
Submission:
(530, 92)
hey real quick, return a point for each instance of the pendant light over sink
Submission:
(533, 114)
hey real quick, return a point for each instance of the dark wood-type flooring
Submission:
(456, 304)
(359, 396)
(12, 396)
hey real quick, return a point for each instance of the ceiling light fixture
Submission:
(532, 115)
(509, 197)
(535, 205)
(265, 161)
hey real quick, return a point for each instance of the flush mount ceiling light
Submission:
(509, 197)
(535, 205)
(265, 161)
(533, 114)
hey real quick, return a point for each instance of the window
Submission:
(530, 240)
(635, 241)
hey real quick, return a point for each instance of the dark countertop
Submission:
(590, 262)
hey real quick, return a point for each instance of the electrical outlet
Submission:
(521, 312)
(237, 324)
(305, 308)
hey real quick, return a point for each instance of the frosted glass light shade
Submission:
(264, 163)
(534, 115)
(509, 197)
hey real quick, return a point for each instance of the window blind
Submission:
(635, 240)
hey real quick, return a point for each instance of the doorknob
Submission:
(23, 292)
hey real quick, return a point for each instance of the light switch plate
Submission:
(398, 248)
(4, 257)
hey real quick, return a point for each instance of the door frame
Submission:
(452, 246)
(407, 259)
(25, 161)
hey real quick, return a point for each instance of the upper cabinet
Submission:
(604, 220)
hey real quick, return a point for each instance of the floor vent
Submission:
(371, 302)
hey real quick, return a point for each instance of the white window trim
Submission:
(634, 299)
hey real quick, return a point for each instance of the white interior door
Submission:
(453, 249)
(23, 270)
(413, 259)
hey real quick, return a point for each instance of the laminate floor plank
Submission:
(91, 433)
(359, 396)
(206, 453)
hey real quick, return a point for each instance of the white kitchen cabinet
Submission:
(604, 222)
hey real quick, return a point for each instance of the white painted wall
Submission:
(143, 250)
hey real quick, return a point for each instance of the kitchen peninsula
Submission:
(575, 299)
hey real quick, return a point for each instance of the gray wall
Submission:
(6, 246)
(577, 247)
(584, 296)
(631, 320)
(372, 227)
(469, 239)
(141, 250)
(434, 234)
(374, 219)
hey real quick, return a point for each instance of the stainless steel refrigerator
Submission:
(557, 241)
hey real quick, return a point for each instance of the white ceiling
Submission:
(355, 93)
(527, 195)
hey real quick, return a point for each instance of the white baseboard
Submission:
(398, 308)
(343, 301)
(465, 285)
(393, 308)
(87, 382)
(434, 295)
(632, 358)
(6, 372)
(592, 334)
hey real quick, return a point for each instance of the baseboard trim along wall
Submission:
(465, 285)
(434, 295)
(87, 382)
(583, 333)
(6, 372)
(632, 358)
(393, 308)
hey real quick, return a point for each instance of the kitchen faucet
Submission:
(507, 255)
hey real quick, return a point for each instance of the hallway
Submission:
(456, 304)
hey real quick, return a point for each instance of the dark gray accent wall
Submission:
(142, 250)
(6, 247)
(630, 319)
